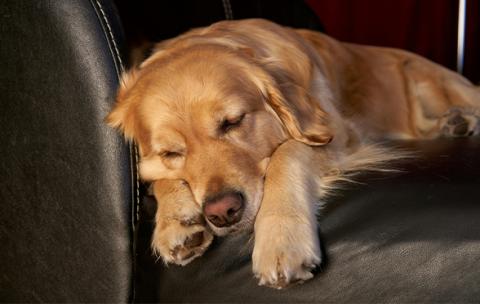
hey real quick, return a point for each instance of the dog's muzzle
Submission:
(225, 209)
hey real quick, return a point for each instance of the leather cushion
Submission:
(413, 236)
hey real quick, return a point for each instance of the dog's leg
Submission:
(463, 116)
(180, 233)
(443, 103)
(287, 246)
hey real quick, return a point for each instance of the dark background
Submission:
(426, 27)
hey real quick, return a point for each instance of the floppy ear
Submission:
(299, 112)
(284, 85)
(122, 115)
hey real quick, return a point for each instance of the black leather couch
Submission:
(75, 221)
(68, 185)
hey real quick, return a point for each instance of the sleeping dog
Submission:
(246, 125)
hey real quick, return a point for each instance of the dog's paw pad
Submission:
(179, 244)
(460, 122)
(191, 248)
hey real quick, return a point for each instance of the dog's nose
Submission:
(224, 210)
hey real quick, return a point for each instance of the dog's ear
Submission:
(299, 112)
(283, 84)
(122, 115)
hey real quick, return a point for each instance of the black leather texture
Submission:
(412, 236)
(68, 187)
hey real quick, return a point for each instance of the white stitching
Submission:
(135, 150)
(137, 207)
(227, 7)
(110, 32)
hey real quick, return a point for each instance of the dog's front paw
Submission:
(180, 233)
(179, 241)
(286, 251)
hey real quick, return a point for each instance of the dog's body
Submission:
(247, 124)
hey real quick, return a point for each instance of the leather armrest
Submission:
(68, 186)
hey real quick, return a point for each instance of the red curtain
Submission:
(426, 27)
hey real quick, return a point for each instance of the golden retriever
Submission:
(245, 125)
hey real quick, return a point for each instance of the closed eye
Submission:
(229, 124)
(170, 154)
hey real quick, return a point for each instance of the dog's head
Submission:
(213, 116)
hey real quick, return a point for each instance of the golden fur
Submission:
(279, 114)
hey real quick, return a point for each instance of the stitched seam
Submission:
(137, 206)
(135, 150)
(227, 7)
(110, 33)
(136, 194)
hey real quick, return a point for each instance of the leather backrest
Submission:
(68, 187)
